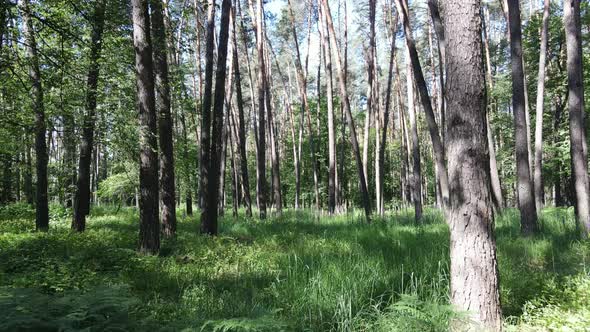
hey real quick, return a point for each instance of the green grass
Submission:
(298, 272)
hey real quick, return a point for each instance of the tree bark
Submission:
(578, 145)
(210, 213)
(243, 161)
(167, 176)
(414, 143)
(474, 267)
(346, 101)
(82, 197)
(261, 154)
(526, 197)
(42, 205)
(149, 224)
(437, 147)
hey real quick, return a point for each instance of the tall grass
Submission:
(297, 272)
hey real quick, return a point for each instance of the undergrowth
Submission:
(297, 272)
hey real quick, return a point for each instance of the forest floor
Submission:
(297, 272)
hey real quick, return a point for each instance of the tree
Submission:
(346, 101)
(578, 144)
(167, 183)
(210, 213)
(537, 175)
(42, 205)
(82, 197)
(437, 147)
(474, 268)
(206, 101)
(243, 161)
(526, 197)
(261, 155)
(149, 223)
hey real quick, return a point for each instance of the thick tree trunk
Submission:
(437, 147)
(42, 205)
(209, 214)
(578, 145)
(149, 224)
(526, 197)
(474, 267)
(346, 101)
(167, 181)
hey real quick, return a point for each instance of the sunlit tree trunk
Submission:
(437, 147)
(526, 197)
(346, 101)
(474, 267)
(261, 153)
(578, 145)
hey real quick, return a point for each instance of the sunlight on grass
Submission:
(297, 272)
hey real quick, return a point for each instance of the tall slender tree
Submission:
(526, 196)
(82, 197)
(578, 144)
(149, 222)
(210, 212)
(346, 101)
(474, 267)
(261, 156)
(41, 202)
(437, 147)
(538, 175)
(165, 135)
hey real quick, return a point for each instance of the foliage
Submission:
(296, 272)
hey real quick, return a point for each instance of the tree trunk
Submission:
(346, 101)
(474, 267)
(526, 197)
(578, 145)
(149, 224)
(494, 176)
(382, 144)
(209, 214)
(42, 205)
(167, 181)
(241, 126)
(416, 176)
(437, 147)
(261, 154)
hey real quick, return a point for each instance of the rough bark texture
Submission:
(474, 268)
(578, 143)
(149, 223)
(526, 197)
(167, 183)
(346, 101)
(537, 175)
(210, 213)
(41, 203)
